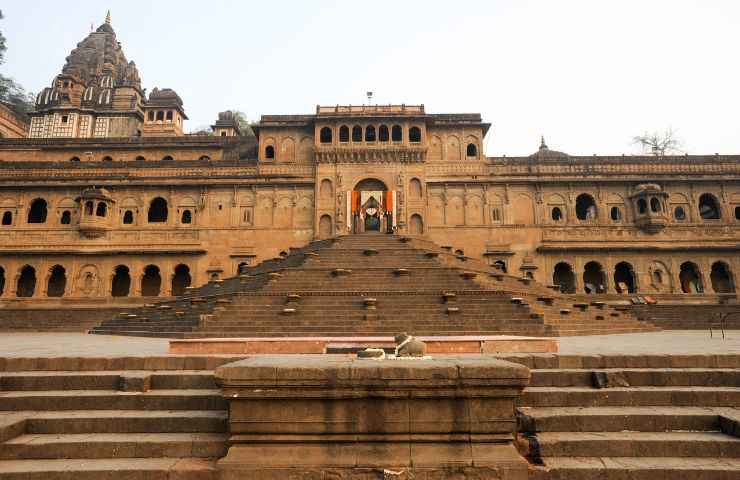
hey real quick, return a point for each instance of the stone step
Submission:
(115, 445)
(617, 419)
(160, 363)
(104, 380)
(118, 468)
(638, 444)
(630, 396)
(126, 421)
(199, 399)
(639, 377)
(642, 468)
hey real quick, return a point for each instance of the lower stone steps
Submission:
(93, 418)
(640, 377)
(180, 399)
(639, 468)
(115, 445)
(618, 419)
(638, 444)
(105, 380)
(125, 421)
(117, 468)
(627, 396)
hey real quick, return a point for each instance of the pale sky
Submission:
(588, 75)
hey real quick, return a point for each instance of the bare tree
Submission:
(12, 93)
(659, 143)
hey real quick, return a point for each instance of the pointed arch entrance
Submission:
(372, 207)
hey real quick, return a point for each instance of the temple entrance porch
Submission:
(371, 207)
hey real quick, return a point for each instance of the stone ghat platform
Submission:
(350, 345)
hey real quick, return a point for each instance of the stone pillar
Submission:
(331, 416)
(675, 272)
(578, 274)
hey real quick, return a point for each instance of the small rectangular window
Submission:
(65, 118)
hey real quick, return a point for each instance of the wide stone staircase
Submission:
(583, 417)
(631, 417)
(371, 284)
(97, 418)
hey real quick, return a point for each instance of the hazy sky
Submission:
(588, 75)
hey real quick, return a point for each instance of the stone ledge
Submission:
(314, 345)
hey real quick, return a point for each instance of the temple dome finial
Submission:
(543, 145)
(107, 17)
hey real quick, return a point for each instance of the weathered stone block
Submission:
(362, 418)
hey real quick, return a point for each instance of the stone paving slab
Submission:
(673, 342)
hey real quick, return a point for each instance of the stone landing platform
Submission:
(350, 345)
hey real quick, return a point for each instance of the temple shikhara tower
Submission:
(107, 202)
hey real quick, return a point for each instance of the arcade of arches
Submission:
(623, 279)
(56, 282)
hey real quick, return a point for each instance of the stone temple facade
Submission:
(107, 202)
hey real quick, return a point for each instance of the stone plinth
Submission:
(338, 417)
(438, 345)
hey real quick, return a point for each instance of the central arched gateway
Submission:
(372, 207)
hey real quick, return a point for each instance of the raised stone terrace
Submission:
(368, 285)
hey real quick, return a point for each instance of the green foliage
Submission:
(244, 125)
(11, 92)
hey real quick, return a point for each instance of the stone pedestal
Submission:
(340, 418)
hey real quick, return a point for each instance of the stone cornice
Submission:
(194, 175)
(381, 153)
(121, 142)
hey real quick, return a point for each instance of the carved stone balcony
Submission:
(93, 227)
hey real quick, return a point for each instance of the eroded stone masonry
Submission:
(107, 201)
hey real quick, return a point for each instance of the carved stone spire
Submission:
(107, 17)
(543, 145)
